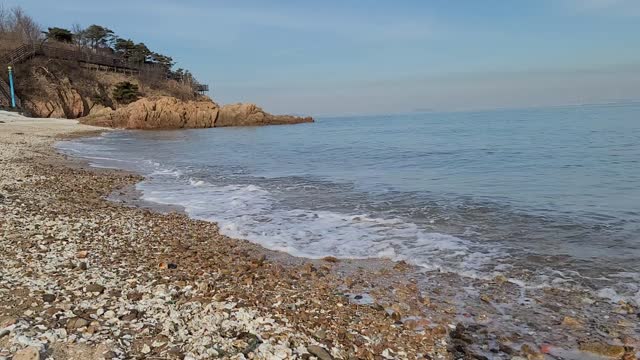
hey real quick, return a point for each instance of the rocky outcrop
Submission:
(251, 115)
(166, 112)
(163, 112)
(62, 99)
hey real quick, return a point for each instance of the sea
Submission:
(543, 196)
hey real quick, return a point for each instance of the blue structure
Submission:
(13, 95)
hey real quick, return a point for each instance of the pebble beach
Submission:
(82, 277)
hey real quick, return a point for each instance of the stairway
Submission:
(17, 56)
(5, 96)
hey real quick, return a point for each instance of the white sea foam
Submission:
(251, 212)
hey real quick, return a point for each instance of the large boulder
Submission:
(162, 112)
(251, 115)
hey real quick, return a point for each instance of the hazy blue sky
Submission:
(357, 56)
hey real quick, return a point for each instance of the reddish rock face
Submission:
(157, 113)
(251, 115)
(170, 113)
(66, 103)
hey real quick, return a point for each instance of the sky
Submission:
(339, 57)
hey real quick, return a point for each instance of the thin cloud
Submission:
(342, 24)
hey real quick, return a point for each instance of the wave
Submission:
(251, 208)
(253, 213)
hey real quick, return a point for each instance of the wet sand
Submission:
(90, 271)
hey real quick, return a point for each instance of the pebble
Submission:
(603, 349)
(110, 314)
(30, 353)
(76, 323)
(569, 321)
(319, 352)
(95, 288)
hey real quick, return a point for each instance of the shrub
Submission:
(60, 34)
(126, 92)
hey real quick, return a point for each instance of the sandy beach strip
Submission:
(82, 277)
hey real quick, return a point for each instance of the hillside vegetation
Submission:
(139, 82)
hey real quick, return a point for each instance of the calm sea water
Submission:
(545, 196)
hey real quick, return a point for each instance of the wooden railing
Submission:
(86, 56)
(18, 55)
(201, 87)
(91, 57)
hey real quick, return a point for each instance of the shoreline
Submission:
(376, 307)
(88, 278)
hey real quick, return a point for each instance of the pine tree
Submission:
(126, 92)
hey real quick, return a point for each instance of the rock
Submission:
(603, 349)
(401, 266)
(320, 334)
(95, 288)
(30, 353)
(501, 279)
(172, 266)
(319, 352)
(485, 298)
(8, 322)
(625, 308)
(145, 349)
(49, 298)
(83, 266)
(134, 296)
(531, 353)
(76, 323)
(82, 254)
(330, 259)
(162, 112)
(132, 315)
(165, 112)
(251, 115)
(109, 314)
(94, 326)
(545, 348)
(569, 321)
(60, 99)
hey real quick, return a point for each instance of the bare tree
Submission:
(16, 28)
(3, 20)
(79, 36)
(24, 26)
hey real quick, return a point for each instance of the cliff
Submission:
(65, 90)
